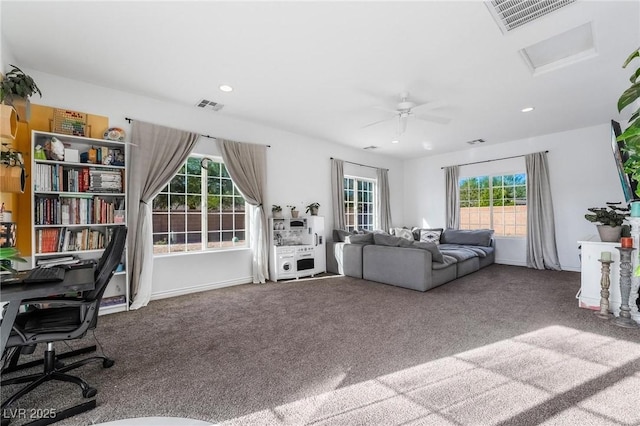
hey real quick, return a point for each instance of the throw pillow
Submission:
(430, 235)
(385, 240)
(475, 237)
(436, 255)
(359, 239)
(402, 233)
(340, 234)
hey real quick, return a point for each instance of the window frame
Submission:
(204, 212)
(374, 198)
(490, 178)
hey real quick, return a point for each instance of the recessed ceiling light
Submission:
(225, 88)
(395, 141)
(527, 109)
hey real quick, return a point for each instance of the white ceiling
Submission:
(321, 68)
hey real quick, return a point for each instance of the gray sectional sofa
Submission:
(408, 262)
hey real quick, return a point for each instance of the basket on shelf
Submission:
(69, 122)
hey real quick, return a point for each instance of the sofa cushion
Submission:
(480, 251)
(340, 234)
(402, 233)
(391, 241)
(359, 239)
(476, 237)
(436, 255)
(460, 253)
(362, 231)
(446, 261)
(430, 235)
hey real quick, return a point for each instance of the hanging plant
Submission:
(16, 84)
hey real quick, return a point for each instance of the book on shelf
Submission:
(113, 300)
(77, 210)
(58, 178)
(57, 240)
(56, 261)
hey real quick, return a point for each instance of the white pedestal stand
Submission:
(635, 280)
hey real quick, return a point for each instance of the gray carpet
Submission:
(506, 346)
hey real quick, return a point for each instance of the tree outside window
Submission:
(199, 209)
(495, 202)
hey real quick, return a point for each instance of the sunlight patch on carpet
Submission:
(514, 379)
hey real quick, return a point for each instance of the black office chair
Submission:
(59, 319)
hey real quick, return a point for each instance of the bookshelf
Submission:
(78, 198)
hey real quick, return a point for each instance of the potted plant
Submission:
(631, 135)
(276, 211)
(294, 212)
(8, 255)
(12, 173)
(313, 209)
(610, 220)
(15, 89)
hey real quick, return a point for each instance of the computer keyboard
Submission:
(41, 275)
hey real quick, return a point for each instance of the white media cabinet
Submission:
(591, 249)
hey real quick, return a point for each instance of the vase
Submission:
(609, 234)
(12, 179)
(313, 211)
(22, 107)
(294, 213)
(277, 215)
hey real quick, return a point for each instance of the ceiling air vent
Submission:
(209, 105)
(510, 14)
(370, 147)
(476, 141)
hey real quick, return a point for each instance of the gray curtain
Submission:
(452, 196)
(337, 192)
(247, 166)
(542, 252)
(384, 206)
(157, 153)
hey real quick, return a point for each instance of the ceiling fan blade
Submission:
(385, 109)
(429, 105)
(377, 122)
(402, 124)
(433, 119)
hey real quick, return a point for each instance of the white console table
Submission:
(590, 250)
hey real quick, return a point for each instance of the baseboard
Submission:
(511, 262)
(571, 268)
(198, 288)
(520, 263)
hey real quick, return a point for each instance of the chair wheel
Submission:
(107, 363)
(89, 392)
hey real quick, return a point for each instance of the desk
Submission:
(74, 280)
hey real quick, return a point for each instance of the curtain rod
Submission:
(488, 161)
(358, 164)
(129, 120)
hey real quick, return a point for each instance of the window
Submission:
(199, 209)
(359, 203)
(495, 202)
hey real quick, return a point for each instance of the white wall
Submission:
(582, 172)
(298, 169)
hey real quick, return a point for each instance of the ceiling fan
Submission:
(405, 109)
